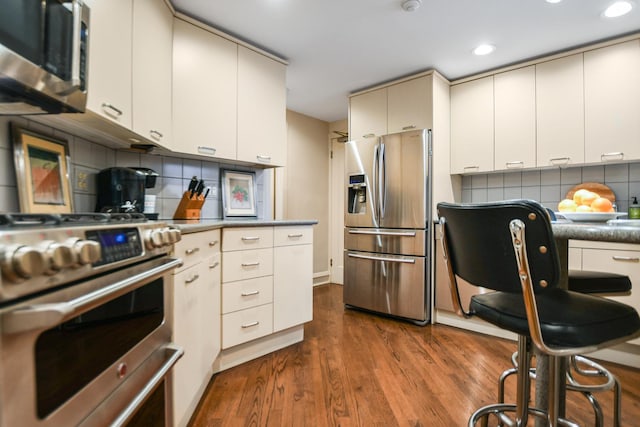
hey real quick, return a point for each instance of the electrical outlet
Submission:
(214, 191)
(81, 181)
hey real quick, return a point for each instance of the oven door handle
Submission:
(45, 316)
(173, 354)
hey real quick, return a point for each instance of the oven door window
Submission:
(69, 356)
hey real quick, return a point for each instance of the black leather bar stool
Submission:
(588, 282)
(509, 247)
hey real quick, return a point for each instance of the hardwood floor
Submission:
(357, 369)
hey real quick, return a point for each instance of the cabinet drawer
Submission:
(247, 293)
(246, 325)
(194, 247)
(238, 239)
(285, 236)
(243, 265)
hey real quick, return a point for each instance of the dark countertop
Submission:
(596, 231)
(195, 226)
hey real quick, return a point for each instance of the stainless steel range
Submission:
(83, 333)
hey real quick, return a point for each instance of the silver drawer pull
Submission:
(560, 160)
(206, 150)
(369, 135)
(191, 251)
(618, 155)
(385, 233)
(250, 264)
(249, 239)
(214, 265)
(156, 134)
(409, 127)
(212, 244)
(248, 294)
(515, 164)
(106, 106)
(470, 168)
(192, 279)
(625, 258)
(265, 159)
(294, 236)
(249, 325)
(383, 258)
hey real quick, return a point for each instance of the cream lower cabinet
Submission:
(613, 258)
(195, 319)
(293, 277)
(247, 284)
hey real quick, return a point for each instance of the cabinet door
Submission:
(204, 92)
(409, 105)
(560, 111)
(612, 102)
(515, 119)
(368, 114)
(110, 60)
(152, 45)
(472, 126)
(210, 312)
(292, 286)
(262, 99)
(187, 333)
(620, 262)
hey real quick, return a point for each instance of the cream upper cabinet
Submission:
(560, 111)
(109, 79)
(515, 119)
(368, 114)
(152, 42)
(472, 126)
(262, 123)
(612, 102)
(204, 92)
(409, 105)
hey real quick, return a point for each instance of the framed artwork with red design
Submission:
(238, 193)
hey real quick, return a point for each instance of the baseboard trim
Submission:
(321, 278)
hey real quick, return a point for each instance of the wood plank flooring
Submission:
(357, 369)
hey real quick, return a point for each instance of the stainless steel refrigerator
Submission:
(387, 236)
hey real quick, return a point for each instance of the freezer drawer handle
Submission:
(249, 325)
(382, 258)
(625, 258)
(385, 233)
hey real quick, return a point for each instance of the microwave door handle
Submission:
(76, 7)
(45, 316)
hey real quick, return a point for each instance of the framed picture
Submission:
(238, 193)
(42, 172)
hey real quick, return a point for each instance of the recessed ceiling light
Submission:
(484, 49)
(618, 8)
(554, 1)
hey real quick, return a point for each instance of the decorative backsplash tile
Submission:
(88, 158)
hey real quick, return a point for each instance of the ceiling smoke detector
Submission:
(411, 5)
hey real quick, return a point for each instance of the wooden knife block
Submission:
(189, 208)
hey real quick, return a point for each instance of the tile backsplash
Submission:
(88, 158)
(549, 186)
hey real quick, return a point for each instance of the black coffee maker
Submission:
(122, 189)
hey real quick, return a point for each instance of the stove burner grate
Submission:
(27, 220)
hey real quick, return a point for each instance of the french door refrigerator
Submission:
(387, 225)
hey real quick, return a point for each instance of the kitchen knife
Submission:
(192, 186)
(206, 193)
(199, 188)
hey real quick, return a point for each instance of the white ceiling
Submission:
(335, 47)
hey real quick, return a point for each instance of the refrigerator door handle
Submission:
(382, 258)
(385, 233)
(382, 181)
(374, 192)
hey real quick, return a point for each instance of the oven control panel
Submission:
(116, 244)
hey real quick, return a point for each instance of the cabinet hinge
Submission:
(331, 262)
(332, 154)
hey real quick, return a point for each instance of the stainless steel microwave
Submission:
(43, 56)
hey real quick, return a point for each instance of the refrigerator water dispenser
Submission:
(357, 194)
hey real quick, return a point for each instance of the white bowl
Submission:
(590, 216)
